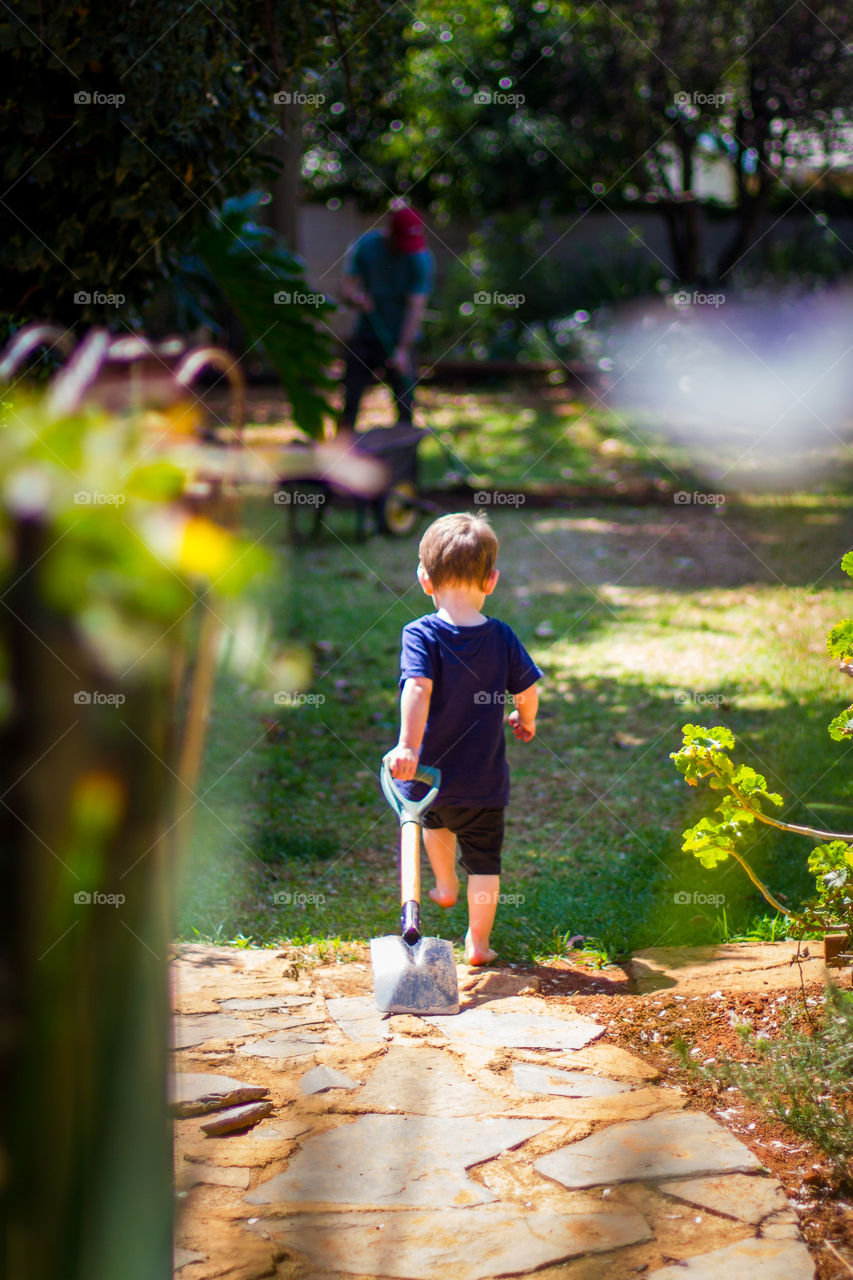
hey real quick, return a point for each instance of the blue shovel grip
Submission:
(409, 810)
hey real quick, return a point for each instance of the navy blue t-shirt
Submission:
(473, 669)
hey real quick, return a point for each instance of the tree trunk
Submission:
(287, 148)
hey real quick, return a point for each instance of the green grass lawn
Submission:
(642, 619)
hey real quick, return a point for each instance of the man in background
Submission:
(388, 277)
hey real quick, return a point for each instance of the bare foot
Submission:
(478, 955)
(445, 895)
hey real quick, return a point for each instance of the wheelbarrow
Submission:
(395, 510)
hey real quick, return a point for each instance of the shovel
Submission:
(412, 974)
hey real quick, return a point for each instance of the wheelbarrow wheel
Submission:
(399, 512)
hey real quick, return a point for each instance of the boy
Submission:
(456, 668)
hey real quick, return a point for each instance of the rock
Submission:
(396, 1160)
(359, 1019)
(749, 1199)
(611, 1061)
(237, 1118)
(193, 1029)
(181, 1257)
(194, 1093)
(755, 1259)
(667, 1144)
(452, 1244)
(731, 966)
(319, 1079)
(780, 1226)
(423, 1081)
(531, 1078)
(267, 1002)
(486, 1028)
(285, 1045)
(216, 1175)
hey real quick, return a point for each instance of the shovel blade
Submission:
(414, 978)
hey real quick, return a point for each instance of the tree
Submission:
(124, 125)
(564, 107)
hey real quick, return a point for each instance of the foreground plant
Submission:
(746, 800)
(803, 1079)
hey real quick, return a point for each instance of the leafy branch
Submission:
(746, 800)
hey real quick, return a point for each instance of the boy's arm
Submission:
(414, 709)
(523, 718)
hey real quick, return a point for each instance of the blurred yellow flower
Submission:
(206, 549)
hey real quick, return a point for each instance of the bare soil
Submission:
(647, 1024)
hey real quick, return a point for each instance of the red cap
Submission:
(407, 231)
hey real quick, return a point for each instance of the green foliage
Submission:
(803, 1079)
(564, 107)
(266, 286)
(104, 195)
(509, 257)
(704, 755)
(122, 558)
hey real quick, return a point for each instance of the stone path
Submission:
(502, 1141)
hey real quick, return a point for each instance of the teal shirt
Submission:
(389, 278)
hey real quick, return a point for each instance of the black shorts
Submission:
(480, 833)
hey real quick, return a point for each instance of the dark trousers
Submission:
(366, 358)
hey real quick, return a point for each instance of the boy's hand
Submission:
(403, 763)
(524, 732)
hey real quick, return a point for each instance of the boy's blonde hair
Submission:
(459, 548)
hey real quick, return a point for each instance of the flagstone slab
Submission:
(749, 1199)
(216, 1175)
(284, 1045)
(452, 1244)
(183, 1257)
(669, 1144)
(532, 1078)
(194, 1093)
(423, 1081)
(319, 1079)
(194, 1028)
(266, 1002)
(396, 1160)
(755, 1259)
(236, 1118)
(485, 1028)
(359, 1019)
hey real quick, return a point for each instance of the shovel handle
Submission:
(410, 863)
(409, 810)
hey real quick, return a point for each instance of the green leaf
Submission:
(253, 269)
(841, 726)
(839, 641)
